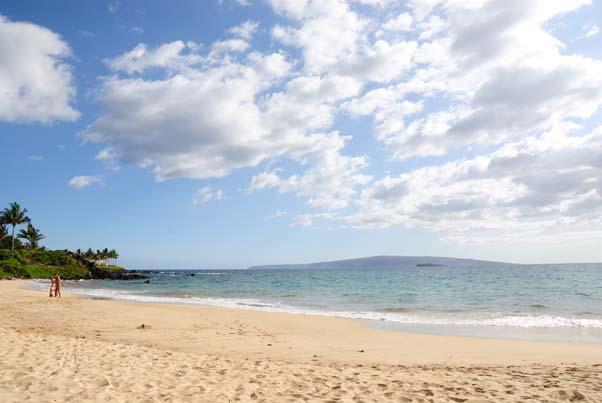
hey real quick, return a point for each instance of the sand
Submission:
(78, 349)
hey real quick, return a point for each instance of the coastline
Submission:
(313, 345)
(541, 326)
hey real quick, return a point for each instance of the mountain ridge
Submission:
(381, 262)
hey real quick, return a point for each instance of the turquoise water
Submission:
(563, 300)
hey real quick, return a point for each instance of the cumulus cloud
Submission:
(141, 58)
(435, 78)
(327, 32)
(403, 22)
(329, 184)
(333, 38)
(35, 80)
(79, 182)
(246, 30)
(207, 194)
(536, 184)
(208, 116)
(502, 73)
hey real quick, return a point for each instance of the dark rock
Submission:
(99, 273)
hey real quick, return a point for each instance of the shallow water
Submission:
(534, 301)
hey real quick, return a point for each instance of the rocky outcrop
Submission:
(100, 273)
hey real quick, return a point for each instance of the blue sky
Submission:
(214, 134)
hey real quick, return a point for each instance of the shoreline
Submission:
(300, 325)
(569, 330)
(218, 354)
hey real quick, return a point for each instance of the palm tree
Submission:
(89, 255)
(14, 215)
(3, 235)
(32, 235)
(114, 255)
(105, 256)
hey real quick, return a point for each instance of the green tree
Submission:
(32, 235)
(105, 256)
(4, 238)
(113, 255)
(14, 215)
(89, 255)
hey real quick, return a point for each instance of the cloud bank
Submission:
(496, 115)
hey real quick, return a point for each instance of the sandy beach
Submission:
(78, 349)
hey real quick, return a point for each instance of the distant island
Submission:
(382, 262)
(21, 255)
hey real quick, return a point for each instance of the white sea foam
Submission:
(493, 320)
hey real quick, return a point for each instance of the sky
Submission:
(228, 133)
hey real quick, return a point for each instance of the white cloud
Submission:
(35, 81)
(374, 3)
(272, 66)
(208, 116)
(329, 184)
(327, 32)
(547, 183)
(500, 73)
(35, 157)
(229, 45)
(246, 30)
(140, 58)
(308, 220)
(207, 194)
(403, 22)
(593, 31)
(431, 27)
(79, 182)
(434, 76)
(334, 39)
(379, 62)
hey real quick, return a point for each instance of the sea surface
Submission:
(552, 302)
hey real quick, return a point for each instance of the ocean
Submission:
(550, 302)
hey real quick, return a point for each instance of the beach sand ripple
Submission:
(48, 368)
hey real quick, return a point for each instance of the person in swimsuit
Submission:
(57, 286)
(51, 291)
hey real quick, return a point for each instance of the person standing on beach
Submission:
(51, 291)
(57, 286)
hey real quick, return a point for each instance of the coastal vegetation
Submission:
(22, 256)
